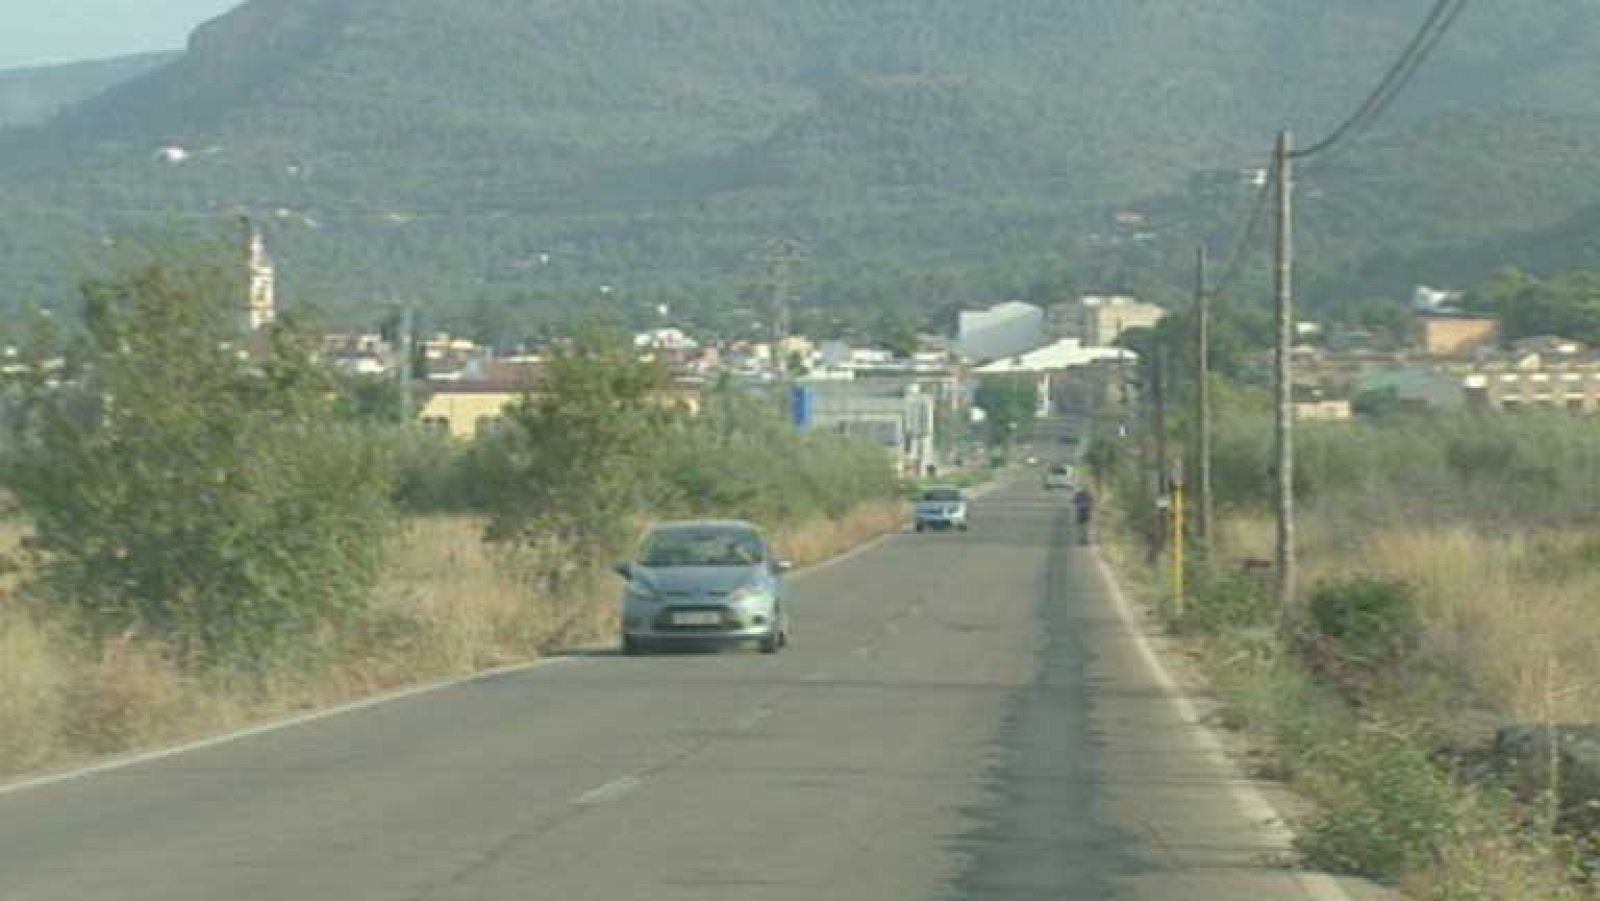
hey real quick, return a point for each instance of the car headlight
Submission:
(750, 594)
(640, 595)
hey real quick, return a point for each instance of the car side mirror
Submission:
(782, 566)
(624, 570)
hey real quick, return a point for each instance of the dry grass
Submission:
(817, 541)
(450, 606)
(1512, 614)
(1515, 615)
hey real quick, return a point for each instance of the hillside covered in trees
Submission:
(501, 160)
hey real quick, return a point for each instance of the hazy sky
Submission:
(36, 32)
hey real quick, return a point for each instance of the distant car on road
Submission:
(705, 583)
(942, 508)
(1059, 476)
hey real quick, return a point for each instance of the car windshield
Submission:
(943, 495)
(1060, 471)
(708, 546)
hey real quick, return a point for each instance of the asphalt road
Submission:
(963, 716)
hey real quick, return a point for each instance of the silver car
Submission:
(942, 508)
(704, 583)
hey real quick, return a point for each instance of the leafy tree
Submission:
(742, 457)
(896, 333)
(579, 456)
(1010, 403)
(373, 399)
(181, 487)
(1567, 305)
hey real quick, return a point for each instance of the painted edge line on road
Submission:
(275, 725)
(844, 557)
(1246, 796)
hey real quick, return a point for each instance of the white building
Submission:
(1429, 300)
(1048, 363)
(664, 339)
(1004, 330)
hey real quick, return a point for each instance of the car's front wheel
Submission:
(631, 646)
(777, 639)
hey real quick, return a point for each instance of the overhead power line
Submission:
(1439, 22)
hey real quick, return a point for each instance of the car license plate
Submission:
(697, 618)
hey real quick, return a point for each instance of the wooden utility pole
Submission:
(1283, 293)
(1202, 396)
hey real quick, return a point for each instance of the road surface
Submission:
(963, 716)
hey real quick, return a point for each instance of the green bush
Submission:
(1496, 470)
(1228, 601)
(1384, 807)
(741, 458)
(1362, 628)
(434, 473)
(595, 451)
(180, 488)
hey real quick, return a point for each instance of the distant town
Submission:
(907, 403)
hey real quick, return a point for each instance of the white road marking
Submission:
(611, 791)
(837, 559)
(1246, 797)
(278, 725)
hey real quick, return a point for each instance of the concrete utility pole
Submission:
(1283, 285)
(1202, 368)
(1158, 394)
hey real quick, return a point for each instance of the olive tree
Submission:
(580, 455)
(185, 481)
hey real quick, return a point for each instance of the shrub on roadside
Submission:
(1225, 601)
(1384, 807)
(596, 452)
(741, 458)
(1362, 630)
(181, 490)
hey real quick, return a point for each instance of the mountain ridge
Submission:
(661, 145)
(32, 94)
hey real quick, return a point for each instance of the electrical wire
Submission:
(1421, 58)
(1240, 247)
(1439, 22)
